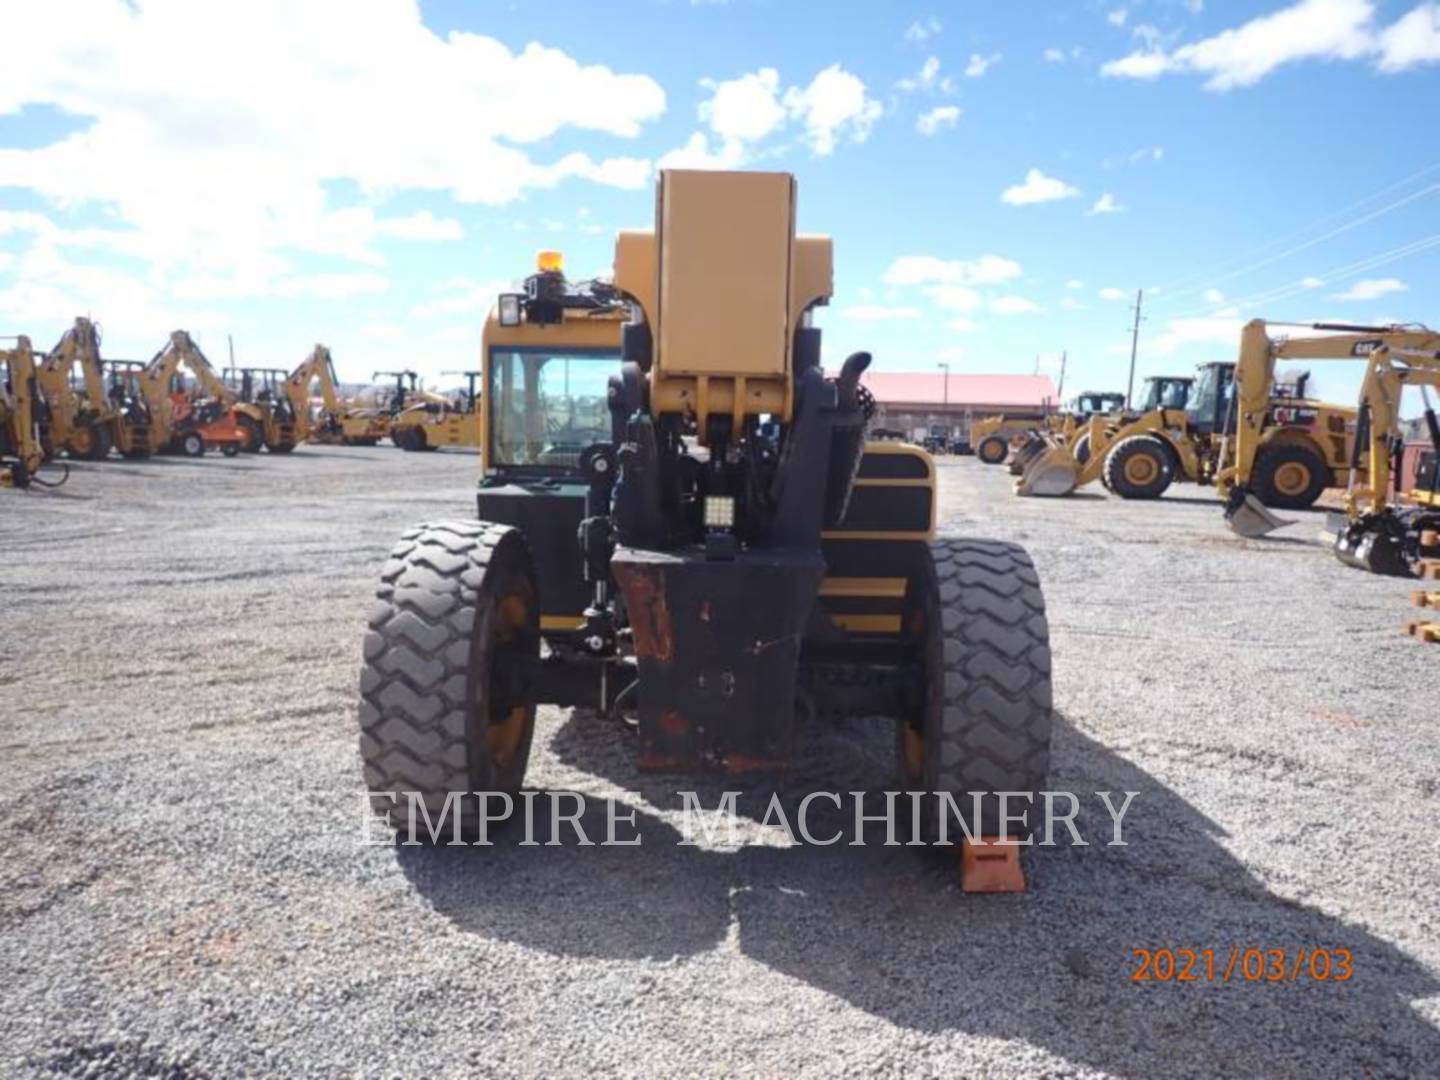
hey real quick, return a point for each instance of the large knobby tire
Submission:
(254, 436)
(457, 609)
(993, 450)
(90, 442)
(986, 723)
(1289, 476)
(1139, 467)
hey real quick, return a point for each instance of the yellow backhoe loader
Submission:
(1293, 446)
(1284, 450)
(1384, 532)
(338, 422)
(20, 452)
(182, 421)
(84, 420)
(427, 425)
(263, 410)
(789, 568)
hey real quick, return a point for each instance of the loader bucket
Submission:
(1052, 473)
(1247, 516)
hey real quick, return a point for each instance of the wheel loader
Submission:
(87, 421)
(20, 452)
(1296, 446)
(454, 421)
(1384, 532)
(680, 517)
(262, 407)
(339, 422)
(1160, 392)
(184, 422)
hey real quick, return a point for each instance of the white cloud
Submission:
(1105, 204)
(963, 326)
(951, 353)
(978, 64)
(1038, 188)
(928, 78)
(1054, 56)
(1413, 39)
(879, 312)
(1117, 17)
(1311, 282)
(833, 107)
(1178, 333)
(1112, 293)
(745, 109)
(920, 269)
(697, 154)
(422, 225)
(382, 331)
(1306, 30)
(215, 135)
(937, 119)
(1214, 296)
(923, 29)
(954, 297)
(1074, 283)
(465, 296)
(1069, 303)
(1371, 289)
(1013, 305)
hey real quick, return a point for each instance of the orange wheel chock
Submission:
(991, 865)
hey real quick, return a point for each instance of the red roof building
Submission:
(918, 401)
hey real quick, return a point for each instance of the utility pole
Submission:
(230, 340)
(946, 368)
(1134, 343)
(1060, 393)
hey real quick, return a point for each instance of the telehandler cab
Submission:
(87, 421)
(644, 543)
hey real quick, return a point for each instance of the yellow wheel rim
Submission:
(504, 734)
(1141, 469)
(1292, 478)
(83, 441)
(993, 452)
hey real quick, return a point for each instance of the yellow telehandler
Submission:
(455, 421)
(338, 422)
(86, 421)
(680, 515)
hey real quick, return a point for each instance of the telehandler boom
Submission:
(683, 506)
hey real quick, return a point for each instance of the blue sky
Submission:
(999, 179)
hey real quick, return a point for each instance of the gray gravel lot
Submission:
(183, 893)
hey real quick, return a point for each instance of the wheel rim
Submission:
(506, 728)
(1292, 478)
(82, 441)
(1141, 469)
(992, 453)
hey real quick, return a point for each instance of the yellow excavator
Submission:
(338, 422)
(1283, 451)
(263, 410)
(189, 424)
(86, 421)
(1383, 533)
(454, 421)
(20, 452)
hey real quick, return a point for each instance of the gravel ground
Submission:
(185, 894)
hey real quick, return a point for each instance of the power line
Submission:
(1182, 284)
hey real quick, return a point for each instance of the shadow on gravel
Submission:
(887, 930)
